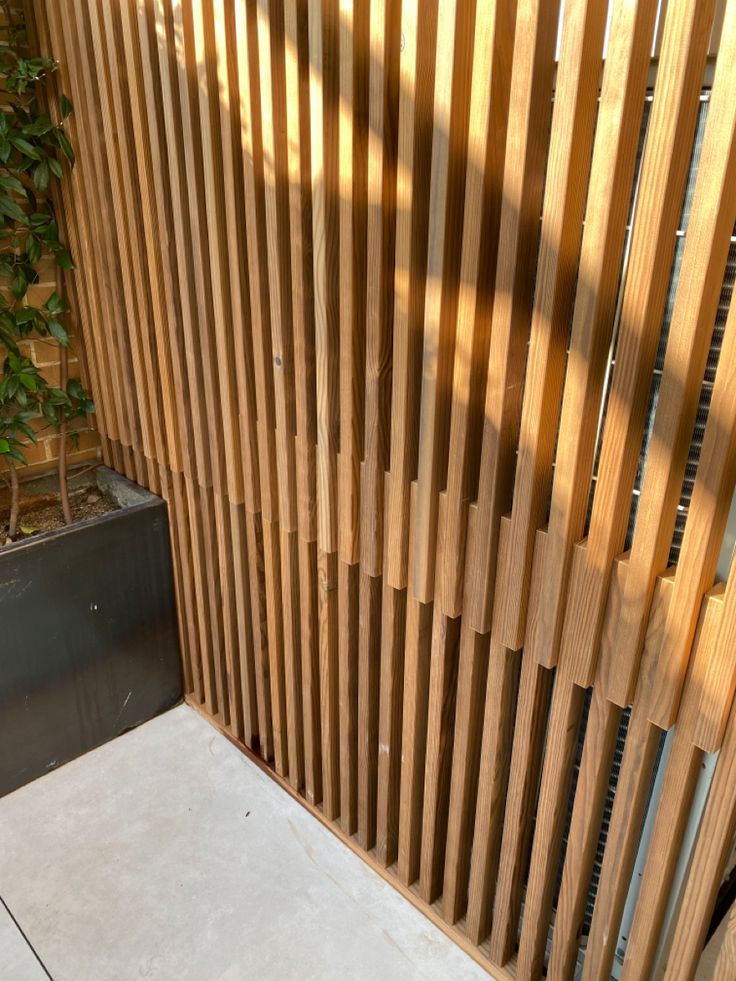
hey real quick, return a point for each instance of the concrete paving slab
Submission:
(17, 960)
(166, 854)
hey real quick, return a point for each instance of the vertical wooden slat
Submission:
(199, 385)
(393, 625)
(417, 658)
(271, 42)
(535, 683)
(348, 584)
(177, 505)
(202, 597)
(205, 515)
(309, 642)
(141, 46)
(322, 19)
(707, 243)
(498, 722)
(234, 205)
(489, 95)
(526, 150)
(474, 653)
(715, 839)
(90, 184)
(187, 631)
(674, 806)
(79, 226)
(590, 799)
(369, 661)
(471, 684)
(296, 68)
(352, 325)
(559, 753)
(153, 197)
(611, 169)
(664, 169)
(245, 651)
(439, 736)
(352, 137)
(254, 533)
(380, 206)
(323, 40)
(113, 105)
(449, 142)
(416, 87)
(224, 549)
(632, 791)
(253, 175)
(329, 690)
(252, 165)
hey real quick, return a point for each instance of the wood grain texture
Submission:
(530, 107)
(566, 184)
(447, 179)
(371, 296)
(487, 121)
(663, 173)
(709, 232)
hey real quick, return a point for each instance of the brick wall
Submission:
(45, 353)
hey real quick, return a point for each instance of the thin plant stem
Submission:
(14, 500)
(62, 465)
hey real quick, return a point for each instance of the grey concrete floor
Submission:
(167, 854)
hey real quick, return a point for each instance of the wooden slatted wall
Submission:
(324, 320)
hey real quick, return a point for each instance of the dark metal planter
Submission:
(88, 638)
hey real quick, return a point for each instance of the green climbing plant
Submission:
(35, 153)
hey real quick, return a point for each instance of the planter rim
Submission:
(148, 500)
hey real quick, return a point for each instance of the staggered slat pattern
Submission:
(399, 418)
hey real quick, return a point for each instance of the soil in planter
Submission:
(40, 507)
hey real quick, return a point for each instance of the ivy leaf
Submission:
(55, 305)
(55, 167)
(39, 221)
(57, 396)
(39, 127)
(8, 342)
(75, 389)
(26, 430)
(41, 175)
(10, 183)
(26, 148)
(66, 148)
(57, 331)
(19, 285)
(4, 445)
(33, 248)
(51, 413)
(11, 209)
(65, 107)
(25, 315)
(17, 455)
(63, 259)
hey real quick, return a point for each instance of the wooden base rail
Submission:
(423, 491)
